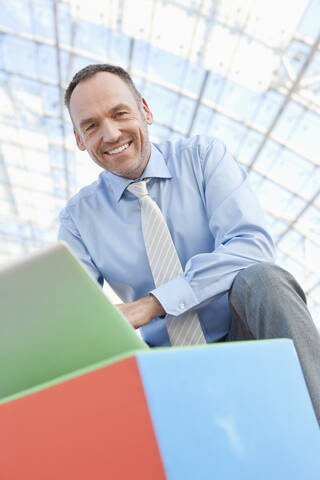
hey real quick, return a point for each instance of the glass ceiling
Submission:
(246, 71)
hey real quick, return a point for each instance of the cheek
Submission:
(92, 145)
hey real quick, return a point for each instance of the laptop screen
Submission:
(54, 320)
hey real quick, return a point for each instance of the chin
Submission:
(132, 173)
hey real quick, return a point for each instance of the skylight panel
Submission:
(133, 23)
(183, 114)
(312, 255)
(6, 210)
(238, 59)
(305, 135)
(286, 168)
(13, 154)
(90, 37)
(274, 22)
(275, 225)
(166, 66)
(271, 22)
(248, 147)
(309, 222)
(288, 263)
(36, 160)
(47, 63)
(6, 105)
(50, 98)
(28, 106)
(294, 245)
(227, 130)
(159, 133)
(309, 24)
(202, 121)
(193, 79)
(4, 197)
(19, 55)
(10, 249)
(279, 202)
(86, 170)
(237, 99)
(39, 182)
(42, 19)
(172, 28)
(15, 16)
(54, 130)
(94, 11)
(270, 103)
(117, 48)
(160, 100)
(69, 135)
(59, 179)
(29, 138)
(66, 22)
(35, 207)
(288, 120)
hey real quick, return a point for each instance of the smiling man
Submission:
(176, 231)
(110, 122)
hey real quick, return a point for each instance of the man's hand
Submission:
(141, 311)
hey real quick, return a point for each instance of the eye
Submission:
(90, 127)
(121, 113)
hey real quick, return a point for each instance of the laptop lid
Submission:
(55, 319)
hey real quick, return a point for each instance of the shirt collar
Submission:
(156, 168)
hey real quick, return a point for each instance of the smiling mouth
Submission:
(119, 149)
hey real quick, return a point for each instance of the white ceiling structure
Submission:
(245, 71)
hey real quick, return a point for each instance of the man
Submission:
(227, 281)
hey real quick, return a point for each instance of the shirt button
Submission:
(182, 306)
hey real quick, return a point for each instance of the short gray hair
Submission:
(91, 70)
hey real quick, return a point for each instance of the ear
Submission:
(147, 112)
(78, 140)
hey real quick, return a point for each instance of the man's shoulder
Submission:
(199, 144)
(83, 194)
(194, 150)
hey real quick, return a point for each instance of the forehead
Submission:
(98, 94)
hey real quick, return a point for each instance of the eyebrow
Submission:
(114, 109)
(85, 121)
(119, 106)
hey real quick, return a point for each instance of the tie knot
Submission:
(139, 189)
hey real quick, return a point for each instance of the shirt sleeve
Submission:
(69, 234)
(237, 224)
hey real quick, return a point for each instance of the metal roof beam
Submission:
(294, 221)
(286, 99)
(195, 112)
(61, 90)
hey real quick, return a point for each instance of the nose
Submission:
(109, 131)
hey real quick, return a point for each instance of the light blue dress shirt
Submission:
(214, 219)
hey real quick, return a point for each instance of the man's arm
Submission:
(70, 235)
(238, 229)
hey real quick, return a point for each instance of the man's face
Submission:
(110, 125)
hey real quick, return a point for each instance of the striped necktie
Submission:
(165, 265)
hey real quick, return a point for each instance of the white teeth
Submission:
(118, 150)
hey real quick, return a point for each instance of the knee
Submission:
(259, 274)
(267, 278)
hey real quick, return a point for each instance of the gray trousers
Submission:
(267, 302)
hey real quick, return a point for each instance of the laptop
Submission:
(55, 320)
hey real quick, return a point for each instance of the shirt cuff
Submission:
(176, 296)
